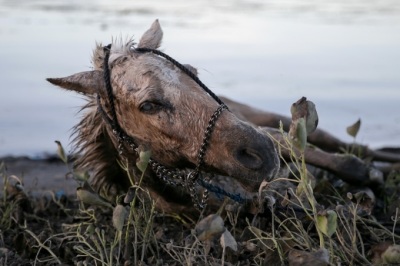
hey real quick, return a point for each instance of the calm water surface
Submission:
(343, 55)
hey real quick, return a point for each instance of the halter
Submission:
(171, 177)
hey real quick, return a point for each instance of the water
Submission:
(343, 55)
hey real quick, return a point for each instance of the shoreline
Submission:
(39, 176)
(49, 173)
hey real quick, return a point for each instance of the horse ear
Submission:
(152, 37)
(191, 69)
(88, 83)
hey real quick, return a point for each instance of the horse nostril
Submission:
(249, 158)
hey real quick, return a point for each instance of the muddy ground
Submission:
(45, 225)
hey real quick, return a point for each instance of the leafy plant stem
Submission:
(310, 196)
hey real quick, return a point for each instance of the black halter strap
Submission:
(169, 176)
(184, 69)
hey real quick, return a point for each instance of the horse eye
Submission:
(149, 107)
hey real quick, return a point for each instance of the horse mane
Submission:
(94, 144)
(120, 47)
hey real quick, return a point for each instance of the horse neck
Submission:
(96, 147)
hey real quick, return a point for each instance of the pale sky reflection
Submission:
(343, 55)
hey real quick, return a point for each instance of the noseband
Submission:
(171, 177)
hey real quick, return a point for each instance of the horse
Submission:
(140, 99)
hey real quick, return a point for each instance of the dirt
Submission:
(42, 223)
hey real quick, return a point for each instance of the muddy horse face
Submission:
(166, 111)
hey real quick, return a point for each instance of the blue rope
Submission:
(220, 191)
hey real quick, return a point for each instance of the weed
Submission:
(294, 224)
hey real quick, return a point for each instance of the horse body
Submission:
(165, 111)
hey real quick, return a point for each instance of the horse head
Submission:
(162, 108)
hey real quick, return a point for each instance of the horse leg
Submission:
(319, 137)
(348, 167)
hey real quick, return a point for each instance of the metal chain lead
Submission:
(193, 176)
(207, 135)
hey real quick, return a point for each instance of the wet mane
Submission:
(96, 148)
